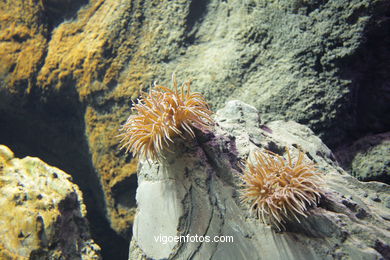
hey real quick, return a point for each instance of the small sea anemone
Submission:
(278, 189)
(162, 114)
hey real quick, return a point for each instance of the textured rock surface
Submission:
(195, 191)
(42, 212)
(368, 158)
(72, 67)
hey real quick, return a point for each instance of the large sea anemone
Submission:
(278, 189)
(162, 114)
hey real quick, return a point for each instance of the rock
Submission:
(194, 191)
(72, 69)
(290, 65)
(368, 158)
(43, 215)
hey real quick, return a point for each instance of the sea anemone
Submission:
(278, 189)
(162, 114)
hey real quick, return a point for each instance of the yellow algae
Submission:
(80, 51)
(5, 157)
(26, 12)
(76, 51)
(5, 254)
(22, 41)
(118, 174)
(123, 218)
(129, 70)
(5, 153)
(103, 133)
(21, 50)
(29, 198)
(102, 136)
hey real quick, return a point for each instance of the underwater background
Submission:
(71, 70)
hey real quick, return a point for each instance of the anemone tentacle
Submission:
(161, 114)
(279, 189)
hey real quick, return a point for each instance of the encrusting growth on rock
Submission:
(162, 114)
(279, 189)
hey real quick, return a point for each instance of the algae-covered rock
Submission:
(368, 158)
(194, 192)
(42, 212)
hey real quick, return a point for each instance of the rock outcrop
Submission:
(368, 158)
(194, 191)
(42, 212)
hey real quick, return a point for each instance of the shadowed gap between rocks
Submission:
(53, 130)
(58, 11)
(369, 100)
(368, 72)
(196, 12)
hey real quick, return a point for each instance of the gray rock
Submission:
(307, 61)
(368, 158)
(194, 191)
